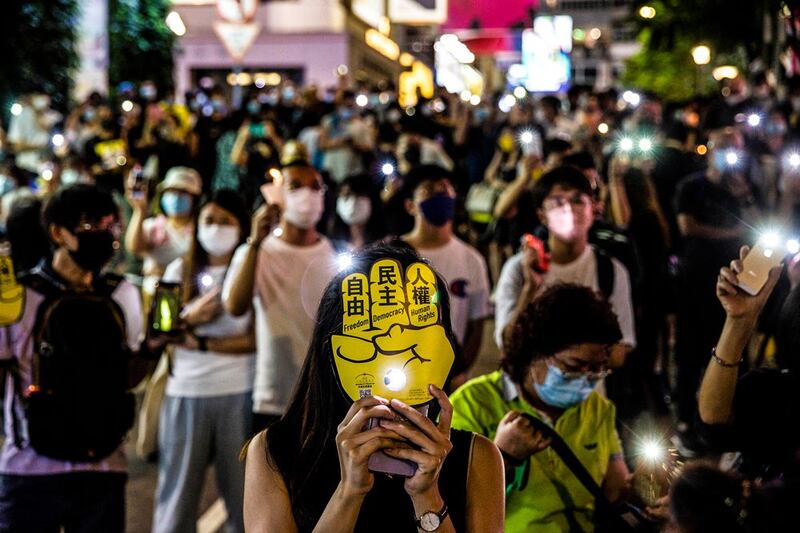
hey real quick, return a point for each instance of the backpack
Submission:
(78, 407)
(605, 273)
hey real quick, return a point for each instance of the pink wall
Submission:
(317, 53)
(491, 13)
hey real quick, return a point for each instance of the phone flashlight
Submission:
(652, 451)
(58, 140)
(206, 281)
(394, 379)
(645, 145)
(753, 120)
(793, 246)
(794, 160)
(276, 175)
(626, 144)
(344, 261)
(387, 169)
(731, 158)
(526, 137)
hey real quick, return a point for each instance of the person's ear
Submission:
(411, 207)
(542, 216)
(56, 234)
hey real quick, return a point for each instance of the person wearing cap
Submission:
(163, 238)
(562, 199)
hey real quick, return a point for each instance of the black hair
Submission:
(787, 337)
(565, 176)
(643, 199)
(581, 160)
(28, 238)
(705, 499)
(301, 445)
(564, 315)
(422, 173)
(677, 131)
(230, 201)
(556, 146)
(551, 101)
(77, 204)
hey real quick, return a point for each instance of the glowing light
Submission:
(647, 12)
(701, 55)
(793, 246)
(278, 232)
(342, 70)
(206, 280)
(406, 59)
(731, 158)
(175, 23)
(475, 99)
(626, 144)
(770, 239)
(465, 95)
(701, 149)
(595, 33)
(725, 72)
(645, 144)
(387, 169)
(47, 174)
(58, 140)
(127, 106)
(793, 160)
(578, 34)
(520, 92)
(276, 175)
(382, 44)
(16, 109)
(507, 102)
(526, 137)
(753, 120)
(344, 261)
(395, 379)
(362, 100)
(652, 451)
(632, 98)
(122, 161)
(602, 128)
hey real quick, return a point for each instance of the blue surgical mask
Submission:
(559, 391)
(176, 204)
(439, 209)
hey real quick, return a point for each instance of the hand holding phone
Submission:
(756, 265)
(517, 438)
(165, 310)
(737, 301)
(541, 263)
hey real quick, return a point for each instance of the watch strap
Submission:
(441, 514)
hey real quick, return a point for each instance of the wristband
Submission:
(721, 362)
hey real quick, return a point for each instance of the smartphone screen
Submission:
(756, 266)
(537, 245)
(166, 308)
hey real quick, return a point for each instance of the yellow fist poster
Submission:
(392, 343)
(12, 294)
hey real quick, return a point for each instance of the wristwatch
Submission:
(431, 521)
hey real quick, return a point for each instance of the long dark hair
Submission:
(197, 258)
(301, 445)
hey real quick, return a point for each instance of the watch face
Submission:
(430, 521)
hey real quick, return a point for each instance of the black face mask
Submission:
(95, 249)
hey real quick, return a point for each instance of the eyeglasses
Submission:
(577, 200)
(592, 372)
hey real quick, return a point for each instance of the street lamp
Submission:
(701, 55)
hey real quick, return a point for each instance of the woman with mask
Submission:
(552, 362)
(310, 470)
(162, 239)
(205, 416)
(358, 221)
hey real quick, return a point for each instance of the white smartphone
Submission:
(756, 266)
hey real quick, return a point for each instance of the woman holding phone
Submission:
(205, 416)
(310, 471)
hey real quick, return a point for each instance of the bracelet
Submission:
(721, 362)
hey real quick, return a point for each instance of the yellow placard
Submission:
(12, 294)
(392, 343)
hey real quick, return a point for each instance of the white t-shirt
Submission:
(289, 282)
(464, 270)
(582, 271)
(25, 129)
(197, 374)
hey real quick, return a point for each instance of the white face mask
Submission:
(218, 240)
(561, 222)
(354, 210)
(41, 102)
(304, 207)
(70, 176)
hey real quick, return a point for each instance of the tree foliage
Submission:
(37, 47)
(140, 43)
(733, 29)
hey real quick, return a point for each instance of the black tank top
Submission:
(387, 508)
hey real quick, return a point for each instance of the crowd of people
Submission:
(194, 251)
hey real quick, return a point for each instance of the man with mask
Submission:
(709, 213)
(431, 199)
(59, 479)
(282, 274)
(563, 200)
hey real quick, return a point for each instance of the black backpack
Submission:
(78, 407)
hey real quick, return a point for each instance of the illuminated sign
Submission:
(383, 44)
(418, 11)
(419, 77)
(545, 54)
(236, 30)
(370, 11)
